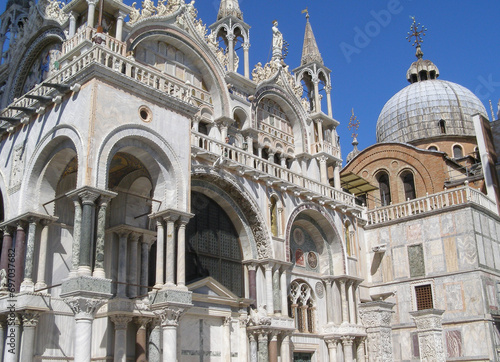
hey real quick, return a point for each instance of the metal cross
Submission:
(353, 124)
(415, 32)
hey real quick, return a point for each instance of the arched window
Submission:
(442, 126)
(385, 189)
(477, 154)
(432, 148)
(408, 185)
(213, 248)
(458, 152)
(273, 210)
(302, 306)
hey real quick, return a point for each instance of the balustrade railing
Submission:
(87, 34)
(327, 148)
(252, 163)
(441, 200)
(119, 63)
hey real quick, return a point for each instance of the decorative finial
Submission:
(417, 31)
(306, 12)
(353, 125)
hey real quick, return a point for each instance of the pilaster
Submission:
(430, 334)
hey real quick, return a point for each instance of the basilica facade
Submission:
(162, 200)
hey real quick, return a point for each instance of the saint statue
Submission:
(277, 41)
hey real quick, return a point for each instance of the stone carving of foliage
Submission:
(52, 9)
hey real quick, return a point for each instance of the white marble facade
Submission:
(157, 205)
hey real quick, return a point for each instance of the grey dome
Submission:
(414, 112)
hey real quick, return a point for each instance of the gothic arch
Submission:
(247, 219)
(168, 179)
(321, 226)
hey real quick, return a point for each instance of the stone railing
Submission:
(327, 148)
(118, 63)
(275, 132)
(441, 200)
(86, 35)
(247, 163)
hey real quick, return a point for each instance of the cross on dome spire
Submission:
(417, 31)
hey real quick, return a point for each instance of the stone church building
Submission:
(162, 200)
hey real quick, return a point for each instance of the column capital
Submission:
(172, 215)
(120, 14)
(120, 320)
(170, 315)
(30, 318)
(347, 340)
(226, 321)
(89, 194)
(84, 308)
(246, 46)
(331, 343)
(92, 2)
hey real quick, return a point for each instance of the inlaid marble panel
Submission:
(416, 260)
(454, 297)
(453, 343)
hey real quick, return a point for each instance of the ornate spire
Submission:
(310, 51)
(353, 127)
(229, 8)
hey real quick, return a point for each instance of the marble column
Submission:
(72, 23)
(121, 288)
(30, 320)
(169, 323)
(132, 265)
(360, 351)
(351, 301)
(276, 290)
(6, 246)
(273, 347)
(181, 252)
(145, 246)
(263, 347)
(42, 255)
(243, 341)
(285, 349)
(376, 318)
(226, 342)
(332, 349)
(119, 25)
(343, 298)
(317, 100)
(269, 288)
(2, 334)
(101, 233)
(84, 310)
(20, 249)
(328, 90)
(430, 334)
(120, 348)
(329, 301)
(246, 47)
(323, 170)
(160, 253)
(140, 339)
(170, 268)
(154, 343)
(347, 342)
(27, 284)
(252, 284)
(284, 291)
(253, 348)
(91, 12)
(77, 235)
(86, 240)
(230, 40)
(11, 348)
